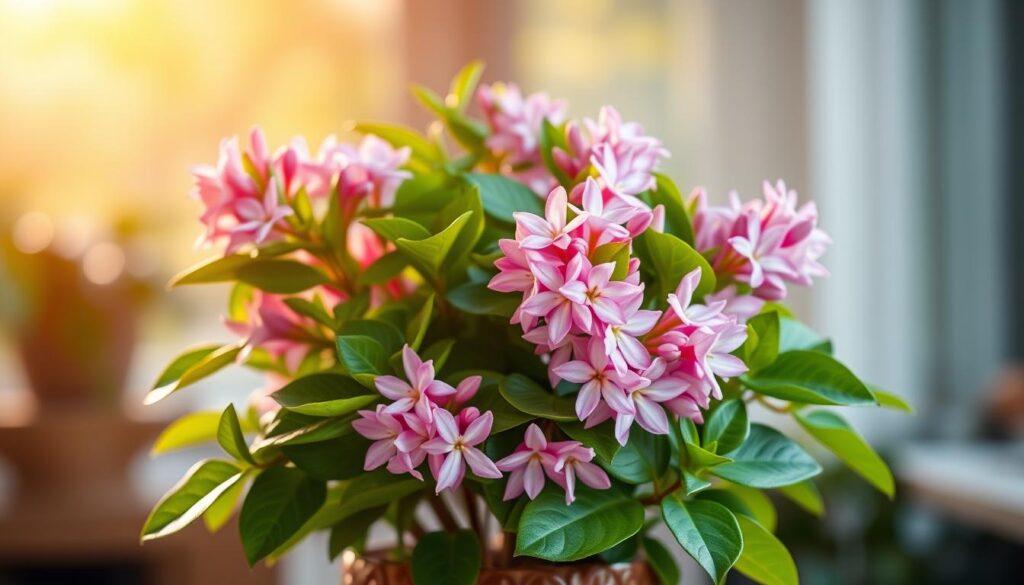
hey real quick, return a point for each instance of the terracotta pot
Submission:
(372, 570)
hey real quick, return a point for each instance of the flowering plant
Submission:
(537, 338)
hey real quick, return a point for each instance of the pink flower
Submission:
(595, 290)
(574, 461)
(528, 464)
(621, 343)
(420, 394)
(383, 428)
(457, 444)
(257, 218)
(274, 327)
(552, 230)
(599, 381)
(647, 399)
(558, 310)
(371, 169)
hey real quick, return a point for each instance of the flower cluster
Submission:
(632, 364)
(763, 244)
(419, 425)
(619, 153)
(247, 197)
(562, 461)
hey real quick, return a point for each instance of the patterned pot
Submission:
(372, 570)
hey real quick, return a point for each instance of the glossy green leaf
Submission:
(666, 259)
(692, 484)
(887, 399)
(502, 196)
(363, 357)
(428, 254)
(280, 276)
(707, 531)
(330, 459)
(677, 220)
(231, 438)
(642, 459)
(661, 561)
(419, 324)
(314, 310)
(742, 500)
(393, 228)
(489, 398)
(553, 137)
(764, 558)
(223, 508)
(384, 269)
(463, 86)
(835, 433)
(601, 437)
(280, 501)
(222, 269)
(324, 394)
(806, 495)
(192, 429)
(365, 491)
(446, 558)
(187, 500)
(795, 335)
(475, 298)
(617, 253)
(386, 334)
(208, 365)
(179, 365)
(698, 458)
(766, 348)
(810, 377)
(768, 459)
(527, 396)
(595, 522)
(727, 426)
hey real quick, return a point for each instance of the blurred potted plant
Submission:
(510, 355)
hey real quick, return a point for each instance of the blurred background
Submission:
(903, 119)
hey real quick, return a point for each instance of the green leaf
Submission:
(324, 394)
(417, 327)
(595, 522)
(384, 269)
(835, 433)
(179, 365)
(764, 559)
(795, 335)
(707, 531)
(398, 136)
(489, 398)
(439, 352)
(313, 310)
(330, 459)
(698, 458)
(363, 357)
(666, 260)
(524, 394)
(475, 298)
(192, 429)
(889, 400)
(693, 484)
(460, 94)
(661, 561)
(806, 495)
(223, 269)
(383, 332)
(601, 437)
(768, 459)
(187, 500)
(613, 252)
(809, 377)
(280, 501)
(352, 530)
(551, 137)
(502, 196)
(231, 438)
(206, 366)
(727, 426)
(446, 558)
(766, 348)
(393, 228)
(743, 500)
(642, 459)
(365, 491)
(428, 254)
(677, 220)
(221, 510)
(280, 276)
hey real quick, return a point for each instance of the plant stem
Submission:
(508, 548)
(474, 517)
(444, 515)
